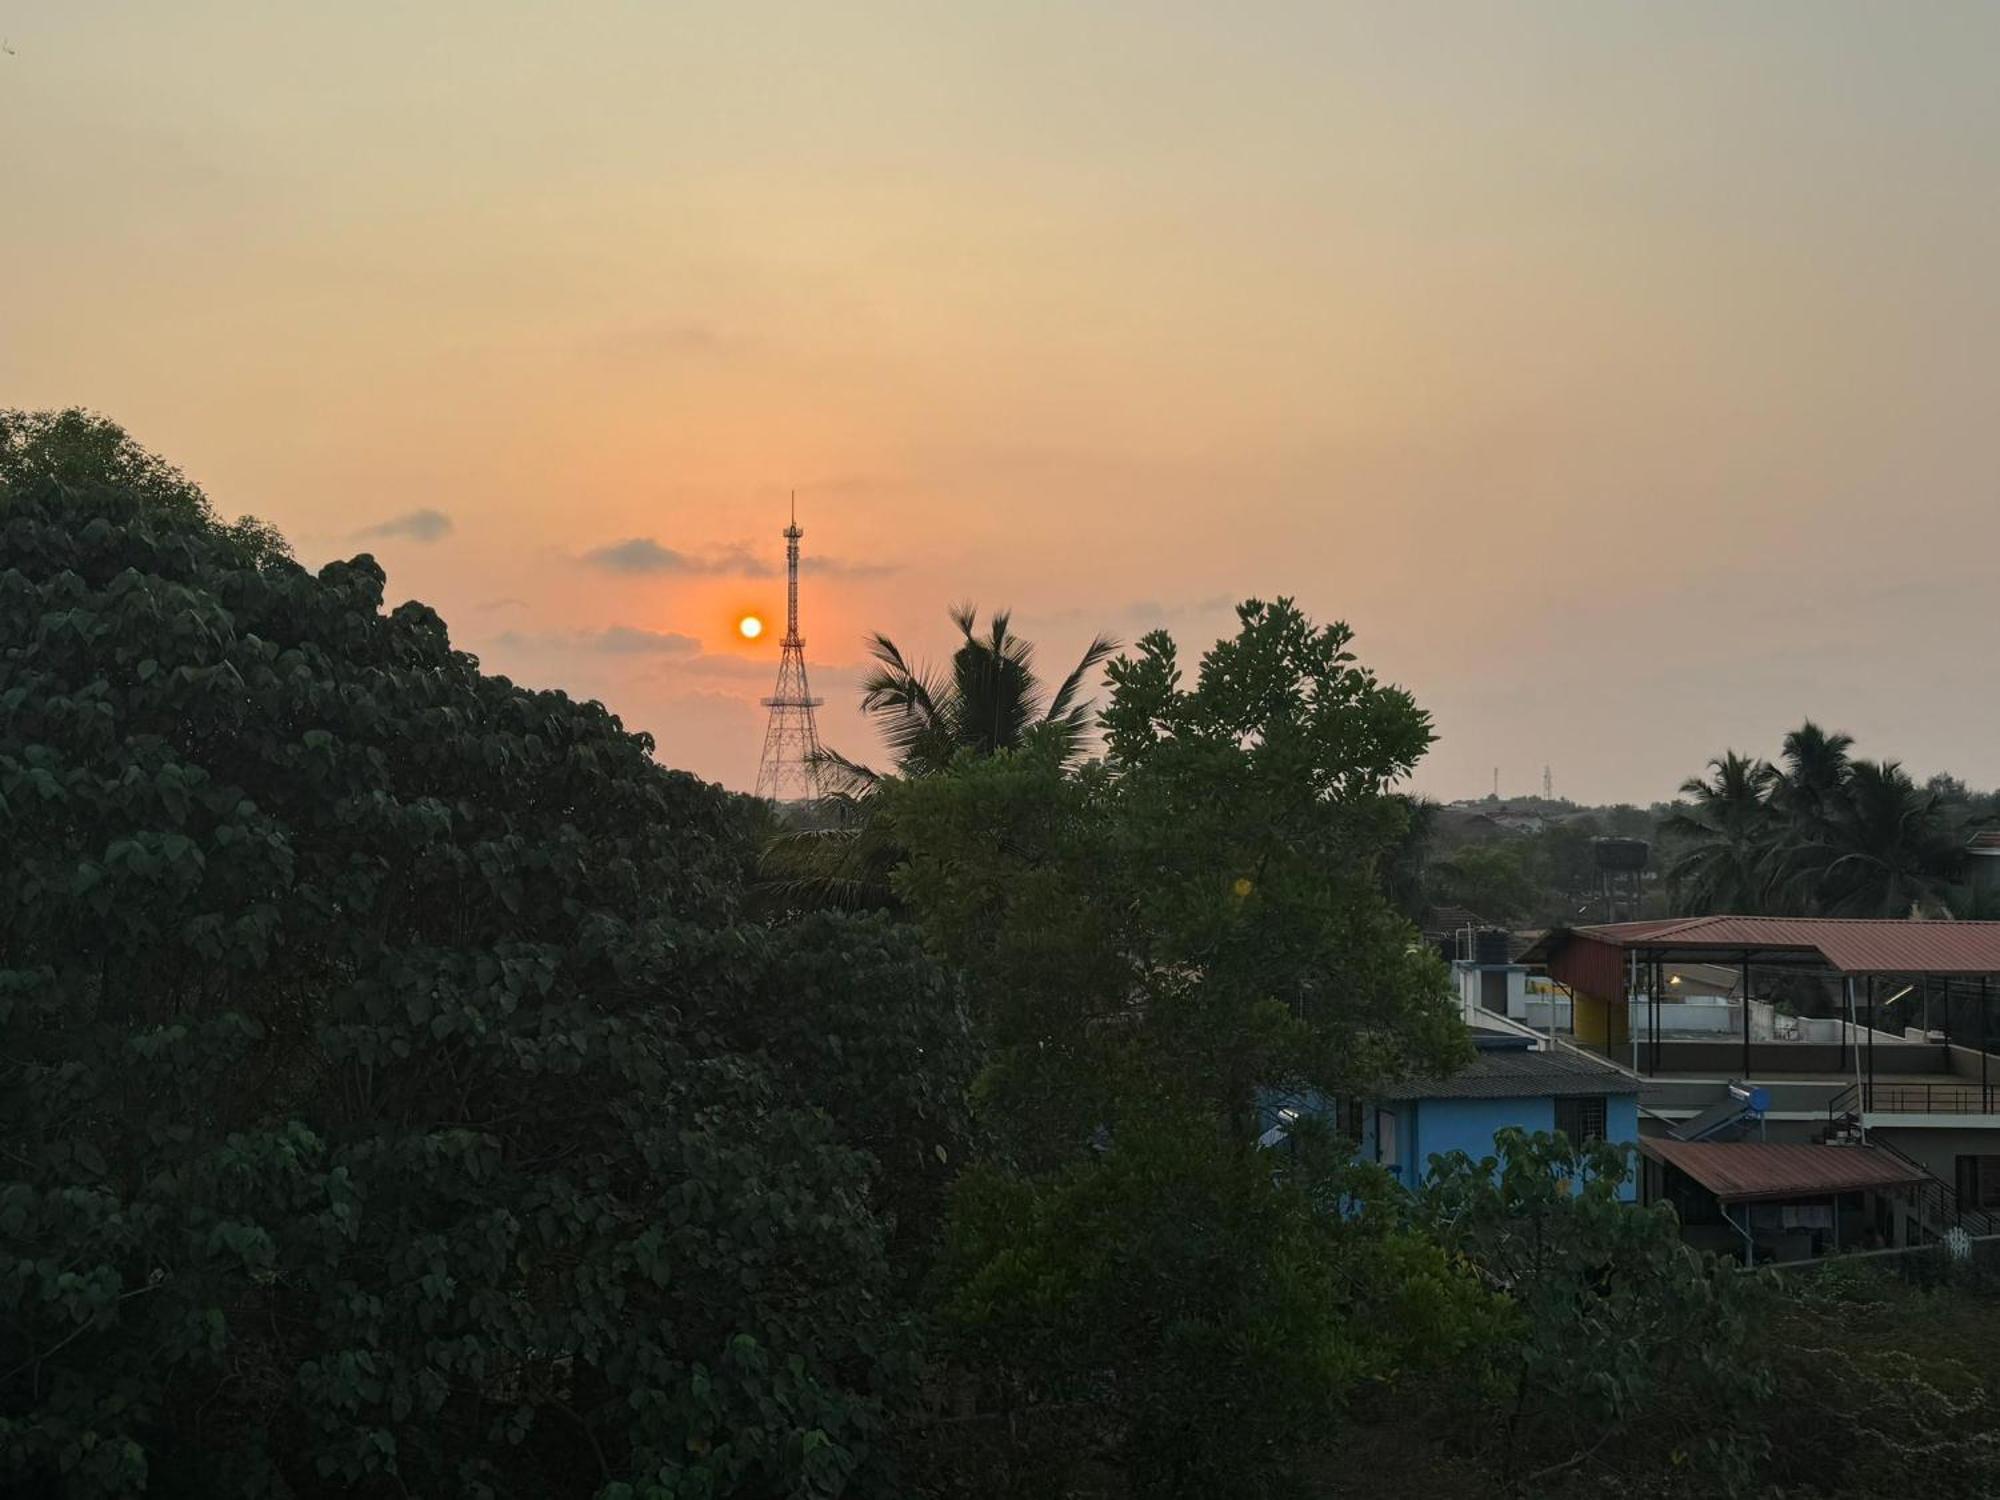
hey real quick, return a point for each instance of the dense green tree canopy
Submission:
(389, 1101)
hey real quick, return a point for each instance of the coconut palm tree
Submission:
(1890, 849)
(989, 701)
(1729, 823)
(1808, 796)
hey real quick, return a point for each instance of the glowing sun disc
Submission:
(749, 627)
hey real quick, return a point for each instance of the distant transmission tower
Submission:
(1548, 785)
(789, 769)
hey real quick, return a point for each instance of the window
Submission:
(1351, 1124)
(1581, 1118)
(1979, 1181)
(1385, 1138)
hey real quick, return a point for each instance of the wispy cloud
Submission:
(626, 639)
(664, 340)
(615, 640)
(641, 554)
(423, 525)
(508, 603)
(840, 567)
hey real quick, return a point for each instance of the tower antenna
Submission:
(788, 771)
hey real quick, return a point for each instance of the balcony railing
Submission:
(1946, 1098)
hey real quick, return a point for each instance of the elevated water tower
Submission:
(1621, 870)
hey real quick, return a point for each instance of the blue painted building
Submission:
(1410, 1122)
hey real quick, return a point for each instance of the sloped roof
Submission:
(1518, 1075)
(1847, 945)
(1765, 1171)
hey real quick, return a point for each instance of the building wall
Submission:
(1937, 1147)
(1423, 1128)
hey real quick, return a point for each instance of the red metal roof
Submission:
(1848, 945)
(1750, 1171)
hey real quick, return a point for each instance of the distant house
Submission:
(1508, 1083)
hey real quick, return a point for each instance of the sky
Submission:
(1624, 375)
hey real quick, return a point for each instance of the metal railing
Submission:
(1937, 1203)
(1954, 1098)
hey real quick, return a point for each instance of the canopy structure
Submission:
(1852, 946)
(1767, 1172)
(1613, 966)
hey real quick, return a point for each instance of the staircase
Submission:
(1934, 1201)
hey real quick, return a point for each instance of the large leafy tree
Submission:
(388, 1101)
(1151, 943)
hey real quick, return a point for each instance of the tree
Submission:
(77, 449)
(1728, 827)
(1496, 880)
(1808, 794)
(990, 701)
(376, 1108)
(1620, 1341)
(1150, 945)
(1890, 849)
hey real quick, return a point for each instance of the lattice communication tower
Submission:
(789, 769)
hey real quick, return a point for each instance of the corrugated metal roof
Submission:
(1986, 841)
(1518, 1075)
(1849, 945)
(1751, 1171)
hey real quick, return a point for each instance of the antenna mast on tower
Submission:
(789, 768)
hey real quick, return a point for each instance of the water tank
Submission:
(1489, 946)
(1621, 855)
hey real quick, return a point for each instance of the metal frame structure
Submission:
(789, 768)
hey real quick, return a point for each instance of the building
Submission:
(1857, 1036)
(1509, 1083)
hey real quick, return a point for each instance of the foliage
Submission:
(1146, 942)
(76, 449)
(1173, 1310)
(990, 701)
(378, 1111)
(1198, 917)
(1882, 1386)
(1624, 1344)
(1728, 829)
(1819, 834)
(1496, 880)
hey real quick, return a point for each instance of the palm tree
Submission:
(1808, 796)
(990, 701)
(1728, 821)
(1892, 848)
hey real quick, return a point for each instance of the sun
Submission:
(749, 627)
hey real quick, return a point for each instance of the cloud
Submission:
(664, 340)
(841, 568)
(627, 639)
(423, 525)
(508, 603)
(641, 554)
(613, 640)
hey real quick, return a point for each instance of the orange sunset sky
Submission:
(1624, 374)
